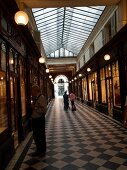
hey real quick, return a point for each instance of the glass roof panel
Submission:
(66, 28)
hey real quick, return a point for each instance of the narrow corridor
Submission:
(80, 140)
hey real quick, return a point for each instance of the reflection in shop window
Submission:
(3, 107)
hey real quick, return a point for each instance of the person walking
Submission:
(72, 99)
(66, 101)
(39, 108)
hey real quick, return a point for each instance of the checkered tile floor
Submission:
(80, 140)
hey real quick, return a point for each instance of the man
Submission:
(66, 102)
(39, 107)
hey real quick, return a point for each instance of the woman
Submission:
(72, 99)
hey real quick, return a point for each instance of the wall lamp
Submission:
(80, 75)
(88, 69)
(41, 60)
(21, 17)
(47, 70)
(107, 57)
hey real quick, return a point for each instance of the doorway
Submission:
(61, 85)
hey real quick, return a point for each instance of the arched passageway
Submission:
(60, 85)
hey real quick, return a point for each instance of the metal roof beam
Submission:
(72, 3)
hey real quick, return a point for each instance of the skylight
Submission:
(66, 28)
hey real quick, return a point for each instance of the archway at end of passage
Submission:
(60, 85)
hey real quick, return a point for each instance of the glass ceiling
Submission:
(65, 30)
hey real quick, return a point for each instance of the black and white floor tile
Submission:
(80, 140)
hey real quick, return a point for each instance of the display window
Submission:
(84, 87)
(93, 88)
(116, 85)
(90, 91)
(103, 85)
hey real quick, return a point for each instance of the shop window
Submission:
(93, 88)
(84, 87)
(116, 85)
(103, 88)
(3, 104)
(90, 91)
